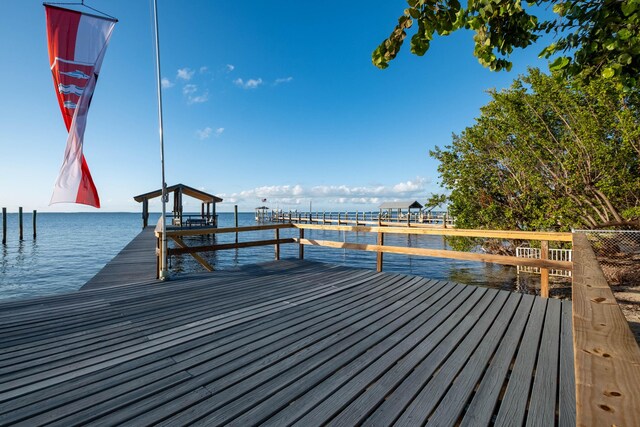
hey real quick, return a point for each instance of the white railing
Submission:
(554, 255)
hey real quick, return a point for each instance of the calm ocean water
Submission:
(72, 247)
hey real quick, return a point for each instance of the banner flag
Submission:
(77, 44)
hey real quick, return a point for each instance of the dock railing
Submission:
(606, 355)
(415, 219)
(544, 263)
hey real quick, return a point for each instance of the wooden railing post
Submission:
(324, 218)
(544, 272)
(158, 266)
(277, 245)
(380, 254)
(357, 219)
(300, 245)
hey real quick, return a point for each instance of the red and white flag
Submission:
(77, 44)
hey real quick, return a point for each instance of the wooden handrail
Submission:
(498, 234)
(380, 248)
(439, 253)
(212, 230)
(606, 355)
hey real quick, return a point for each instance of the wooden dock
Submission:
(136, 263)
(288, 342)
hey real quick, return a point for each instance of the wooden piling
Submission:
(277, 245)
(235, 213)
(20, 225)
(301, 246)
(544, 272)
(4, 226)
(34, 224)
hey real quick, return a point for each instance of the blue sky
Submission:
(273, 99)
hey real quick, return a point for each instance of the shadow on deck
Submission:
(288, 342)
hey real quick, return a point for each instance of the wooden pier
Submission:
(133, 264)
(305, 343)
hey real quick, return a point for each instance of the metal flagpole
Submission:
(163, 250)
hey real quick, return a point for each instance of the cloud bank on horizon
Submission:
(290, 196)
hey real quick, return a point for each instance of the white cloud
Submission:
(204, 69)
(185, 74)
(249, 84)
(283, 80)
(166, 83)
(189, 89)
(198, 99)
(230, 68)
(204, 133)
(372, 196)
(410, 186)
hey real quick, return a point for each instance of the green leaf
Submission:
(559, 63)
(624, 34)
(607, 73)
(628, 7)
(625, 58)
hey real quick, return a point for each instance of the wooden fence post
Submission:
(20, 222)
(300, 245)
(544, 272)
(158, 250)
(235, 213)
(379, 256)
(277, 245)
(34, 223)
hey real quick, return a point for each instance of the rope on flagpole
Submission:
(81, 4)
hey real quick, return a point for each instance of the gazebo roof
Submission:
(189, 191)
(401, 205)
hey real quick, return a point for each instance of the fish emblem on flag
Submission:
(77, 44)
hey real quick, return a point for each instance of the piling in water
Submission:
(4, 226)
(20, 222)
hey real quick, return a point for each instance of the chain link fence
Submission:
(618, 253)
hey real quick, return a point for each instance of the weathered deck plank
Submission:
(282, 343)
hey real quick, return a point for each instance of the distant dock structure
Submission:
(207, 217)
(409, 213)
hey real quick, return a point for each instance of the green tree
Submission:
(595, 38)
(547, 154)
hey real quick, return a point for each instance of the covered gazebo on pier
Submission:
(399, 207)
(207, 215)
